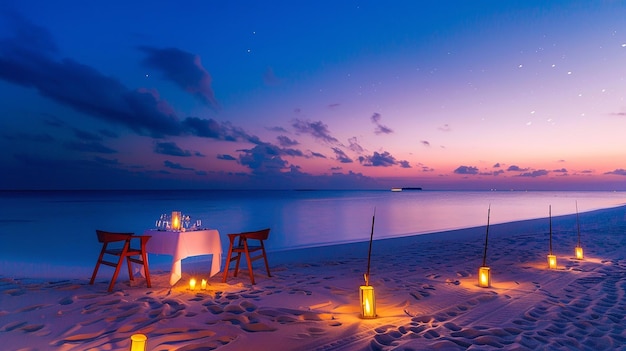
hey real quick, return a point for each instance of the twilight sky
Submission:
(313, 94)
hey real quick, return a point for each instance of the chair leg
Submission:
(237, 264)
(95, 271)
(117, 271)
(130, 269)
(228, 260)
(146, 270)
(267, 266)
(245, 244)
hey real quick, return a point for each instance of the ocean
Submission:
(49, 232)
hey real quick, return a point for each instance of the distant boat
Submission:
(406, 188)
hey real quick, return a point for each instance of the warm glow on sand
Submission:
(552, 261)
(368, 301)
(579, 253)
(484, 277)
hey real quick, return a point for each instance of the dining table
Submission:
(182, 244)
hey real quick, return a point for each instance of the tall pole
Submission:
(578, 223)
(486, 238)
(550, 213)
(369, 253)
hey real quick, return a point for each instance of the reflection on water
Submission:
(60, 226)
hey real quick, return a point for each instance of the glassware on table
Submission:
(198, 224)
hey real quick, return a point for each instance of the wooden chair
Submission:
(243, 247)
(121, 249)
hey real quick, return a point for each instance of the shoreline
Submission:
(426, 291)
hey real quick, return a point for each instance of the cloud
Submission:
(354, 145)
(317, 154)
(277, 129)
(210, 128)
(226, 157)
(88, 91)
(286, 141)
(384, 159)
(425, 143)
(534, 174)
(495, 173)
(497, 165)
(619, 171)
(404, 164)
(317, 129)
(291, 152)
(562, 170)
(81, 87)
(171, 149)
(380, 129)
(514, 168)
(341, 156)
(184, 69)
(27, 36)
(263, 159)
(92, 146)
(445, 128)
(466, 170)
(177, 166)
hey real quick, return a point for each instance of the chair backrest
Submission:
(108, 237)
(262, 234)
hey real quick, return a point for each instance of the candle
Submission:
(138, 342)
(192, 284)
(368, 301)
(176, 218)
(484, 277)
(579, 253)
(203, 284)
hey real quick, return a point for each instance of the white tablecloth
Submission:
(181, 245)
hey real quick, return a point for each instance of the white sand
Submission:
(426, 290)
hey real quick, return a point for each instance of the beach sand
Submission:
(426, 294)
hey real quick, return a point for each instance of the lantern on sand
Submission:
(368, 301)
(138, 342)
(579, 253)
(579, 249)
(176, 220)
(484, 277)
(484, 273)
(192, 284)
(551, 257)
(366, 292)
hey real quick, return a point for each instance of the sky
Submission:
(476, 95)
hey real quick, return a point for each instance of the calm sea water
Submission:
(47, 231)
